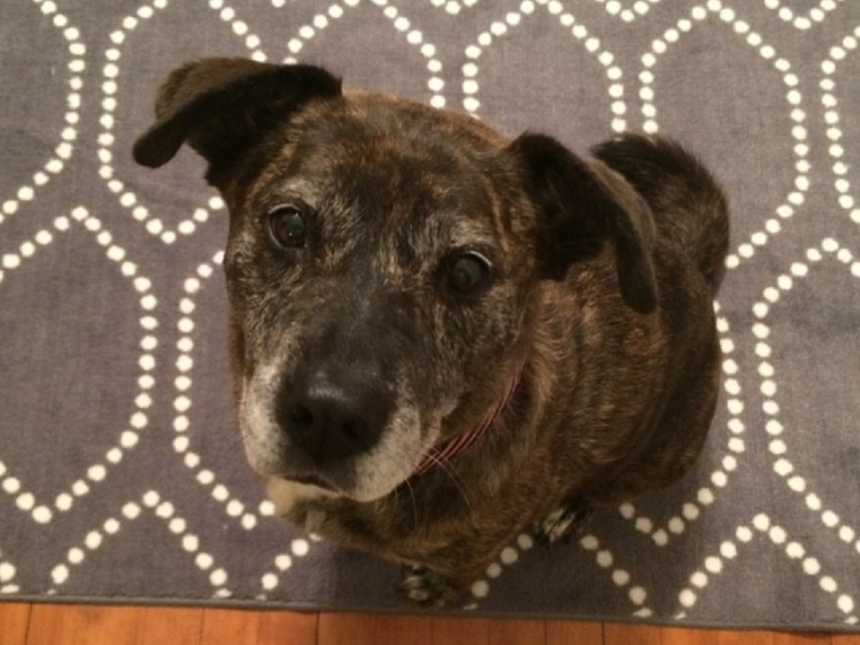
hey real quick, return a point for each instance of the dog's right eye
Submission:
(469, 273)
(287, 226)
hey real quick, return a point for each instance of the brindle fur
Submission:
(607, 269)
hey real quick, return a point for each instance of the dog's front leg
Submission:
(429, 588)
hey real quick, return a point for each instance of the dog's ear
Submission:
(223, 106)
(580, 205)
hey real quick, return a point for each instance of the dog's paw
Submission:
(422, 586)
(563, 523)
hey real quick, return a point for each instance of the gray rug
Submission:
(121, 478)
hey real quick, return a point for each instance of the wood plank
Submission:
(280, 627)
(173, 625)
(684, 636)
(517, 632)
(618, 634)
(229, 626)
(565, 632)
(368, 629)
(846, 639)
(786, 638)
(461, 631)
(83, 625)
(14, 617)
(744, 638)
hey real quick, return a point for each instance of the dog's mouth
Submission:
(313, 480)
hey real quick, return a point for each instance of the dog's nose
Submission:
(332, 418)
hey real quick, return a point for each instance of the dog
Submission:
(442, 337)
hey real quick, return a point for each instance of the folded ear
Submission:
(580, 205)
(223, 106)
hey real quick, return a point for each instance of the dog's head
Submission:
(382, 262)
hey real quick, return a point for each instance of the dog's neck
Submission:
(442, 454)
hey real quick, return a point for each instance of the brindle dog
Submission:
(441, 337)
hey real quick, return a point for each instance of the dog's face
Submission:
(381, 263)
(379, 283)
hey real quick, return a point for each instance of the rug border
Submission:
(301, 607)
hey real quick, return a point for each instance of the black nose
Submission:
(330, 416)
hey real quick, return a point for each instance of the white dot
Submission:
(203, 560)
(828, 584)
(267, 508)
(811, 566)
(283, 562)
(705, 496)
(728, 550)
(63, 502)
(60, 574)
(190, 543)
(186, 306)
(604, 558)
(589, 543)
(699, 579)
(25, 502)
(164, 510)
(687, 598)
(270, 581)
(42, 514)
(637, 595)
(299, 547)
(644, 525)
(783, 467)
(713, 564)
(128, 439)
(480, 589)
(744, 534)
(620, 577)
(794, 550)
(525, 541)
(218, 577)
(7, 572)
(845, 603)
(797, 484)
(690, 511)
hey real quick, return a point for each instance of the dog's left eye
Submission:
(469, 273)
(287, 226)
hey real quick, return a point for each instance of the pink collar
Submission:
(439, 455)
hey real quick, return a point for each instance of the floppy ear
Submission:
(223, 106)
(580, 206)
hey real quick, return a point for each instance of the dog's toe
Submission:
(563, 523)
(425, 587)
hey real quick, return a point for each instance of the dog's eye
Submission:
(469, 273)
(287, 226)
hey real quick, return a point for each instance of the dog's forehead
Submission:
(390, 161)
(391, 145)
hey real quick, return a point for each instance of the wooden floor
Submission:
(41, 624)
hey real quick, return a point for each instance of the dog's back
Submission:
(689, 207)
